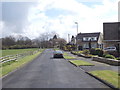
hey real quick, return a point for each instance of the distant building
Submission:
(83, 40)
(111, 32)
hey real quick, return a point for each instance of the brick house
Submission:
(111, 32)
(83, 40)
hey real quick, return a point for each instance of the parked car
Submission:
(58, 54)
(110, 49)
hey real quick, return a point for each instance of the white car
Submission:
(110, 49)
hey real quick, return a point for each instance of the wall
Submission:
(107, 61)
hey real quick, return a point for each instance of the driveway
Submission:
(47, 72)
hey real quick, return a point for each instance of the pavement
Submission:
(97, 65)
(47, 72)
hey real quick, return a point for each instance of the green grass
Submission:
(56, 49)
(80, 63)
(69, 57)
(109, 76)
(65, 54)
(9, 68)
(16, 51)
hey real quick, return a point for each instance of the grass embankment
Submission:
(80, 63)
(16, 51)
(9, 68)
(109, 76)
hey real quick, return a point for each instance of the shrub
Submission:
(109, 56)
(93, 51)
(118, 58)
(97, 51)
(86, 52)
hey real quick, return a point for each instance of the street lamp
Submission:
(68, 38)
(76, 35)
(77, 26)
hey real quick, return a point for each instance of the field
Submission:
(17, 64)
(16, 51)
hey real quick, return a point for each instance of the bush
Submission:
(118, 58)
(19, 47)
(86, 52)
(109, 56)
(93, 51)
(97, 51)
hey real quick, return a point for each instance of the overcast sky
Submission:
(32, 18)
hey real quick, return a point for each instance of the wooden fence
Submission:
(16, 57)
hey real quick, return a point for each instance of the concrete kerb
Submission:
(19, 67)
(73, 64)
(80, 65)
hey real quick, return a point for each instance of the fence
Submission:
(15, 57)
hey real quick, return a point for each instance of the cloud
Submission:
(60, 15)
(14, 16)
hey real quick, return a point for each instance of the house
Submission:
(73, 40)
(111, 32)
(85, 40)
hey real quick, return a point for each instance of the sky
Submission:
(35, 17)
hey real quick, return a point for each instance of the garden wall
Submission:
(107, 61)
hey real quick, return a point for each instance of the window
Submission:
(85, 38)
(93, 38)
(85, 45)
(94, 45)
(89, 38)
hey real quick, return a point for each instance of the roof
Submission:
(111, 22)
(81, 35)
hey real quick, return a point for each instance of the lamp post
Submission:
(76, 35)
(68, 38)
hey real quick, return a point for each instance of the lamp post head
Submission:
(76, 22)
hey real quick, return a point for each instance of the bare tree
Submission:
(8, 41)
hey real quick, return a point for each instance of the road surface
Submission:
(47, 72)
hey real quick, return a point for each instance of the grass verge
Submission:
(65, 54)
(69, 57)
(80, 63)
(9, 68)
(109, 76)
(56, 49)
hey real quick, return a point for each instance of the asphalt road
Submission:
(46, 72)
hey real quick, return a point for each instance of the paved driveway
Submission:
(46, 72)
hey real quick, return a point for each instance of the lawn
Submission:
(109, 76)
(69, 57)
(65, 54)
(16, 51)
(80, 63)
(9, 68)
(56, 49)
